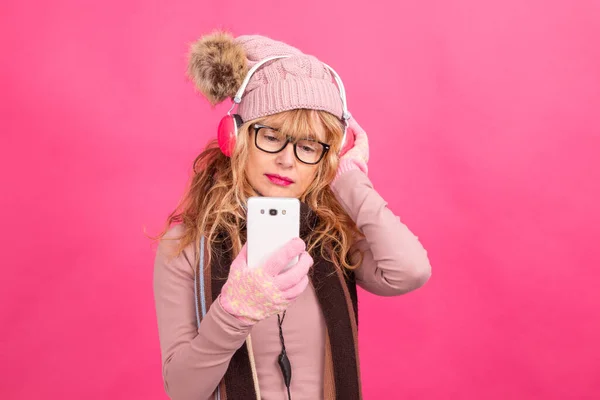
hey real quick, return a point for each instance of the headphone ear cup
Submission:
(348, 141)
(227, 133)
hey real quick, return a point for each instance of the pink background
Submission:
(484, 121)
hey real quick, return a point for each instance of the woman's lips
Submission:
(279, 180)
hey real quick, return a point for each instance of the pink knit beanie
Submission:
(218, 64)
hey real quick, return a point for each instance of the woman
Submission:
(227, 331)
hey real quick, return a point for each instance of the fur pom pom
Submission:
(217, 65)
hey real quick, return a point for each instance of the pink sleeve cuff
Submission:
(349, 165)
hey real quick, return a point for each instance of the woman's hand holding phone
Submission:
(252, 295)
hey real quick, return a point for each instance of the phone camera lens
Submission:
(273, 211)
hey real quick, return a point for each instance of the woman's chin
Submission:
(278, 192)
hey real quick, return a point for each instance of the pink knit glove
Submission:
(252, 295)
(358, 156)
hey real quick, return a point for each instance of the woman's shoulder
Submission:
(175, 232)
(170, 253)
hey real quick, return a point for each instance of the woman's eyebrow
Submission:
(310, 134)
(267, 126)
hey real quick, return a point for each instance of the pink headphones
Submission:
(230, 123)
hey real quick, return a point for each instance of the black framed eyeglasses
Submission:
(270, 140)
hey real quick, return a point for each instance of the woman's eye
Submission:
(307, 149)
(271, 138)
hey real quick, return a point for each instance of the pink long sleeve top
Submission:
(194, 359)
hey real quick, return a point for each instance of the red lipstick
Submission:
(279, 180)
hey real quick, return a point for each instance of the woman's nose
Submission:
(286, 156)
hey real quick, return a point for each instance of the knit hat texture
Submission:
(218, 64)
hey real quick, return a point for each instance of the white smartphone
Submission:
(271, 223)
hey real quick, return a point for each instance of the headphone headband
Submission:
(238, 96)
